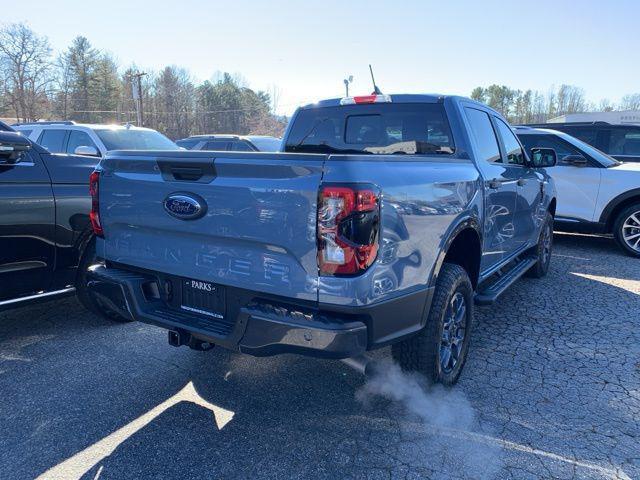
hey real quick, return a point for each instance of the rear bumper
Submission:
(262, 325)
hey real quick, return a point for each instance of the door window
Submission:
(513, 150)
(220, 145)
(241, 147)
(484, 135)
(586, 134)
(79, 139)
(561, 147)
(624, 141)
(53, 140)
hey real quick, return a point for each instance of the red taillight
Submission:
(94, 216)
(348, 224)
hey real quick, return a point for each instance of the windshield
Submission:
(266, 144)
(376, 129)
(593, 152)
(130, 139)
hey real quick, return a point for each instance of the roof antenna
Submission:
(376, 90)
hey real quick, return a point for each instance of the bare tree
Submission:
(24, 64)
(173, 102)
(630, 102)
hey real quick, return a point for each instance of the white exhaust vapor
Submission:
(439, 421)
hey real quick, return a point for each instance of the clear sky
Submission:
(307, 48)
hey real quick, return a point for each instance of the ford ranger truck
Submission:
(381, 222)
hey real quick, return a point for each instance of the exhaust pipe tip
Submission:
(362, 364)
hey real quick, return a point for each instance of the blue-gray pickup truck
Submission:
(381, 223)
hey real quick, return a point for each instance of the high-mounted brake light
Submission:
(348, 224)
(366, 99)
(94, 216)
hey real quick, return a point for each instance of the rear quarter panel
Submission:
(423, 200)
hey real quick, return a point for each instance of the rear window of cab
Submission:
(379, 129)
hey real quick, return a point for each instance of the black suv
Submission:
(235, 143)
(46, 238)
(622, 142)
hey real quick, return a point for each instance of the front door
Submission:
(529, 183)
(500, 190)
(577, 185)
(27, 228)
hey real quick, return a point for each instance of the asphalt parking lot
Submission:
(551, 390)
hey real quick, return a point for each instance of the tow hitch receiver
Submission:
(178, 338)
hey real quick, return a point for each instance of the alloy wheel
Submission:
(631, 231)
(453, 333)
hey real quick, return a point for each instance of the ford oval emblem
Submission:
(185, 206)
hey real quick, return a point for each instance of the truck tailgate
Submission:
(256, 229)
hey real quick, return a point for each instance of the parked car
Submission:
(93, 140)
(380, 223)
(596, 193)
(235, 143)
(46, 239)
(622, 142)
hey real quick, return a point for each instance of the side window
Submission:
(53, 140)
(187, 143)
(624, 141)
(241, 146)
(219, 145)
(561, 148)
(586, 134)
(485, 137)
(79, 139)
(515, 155)
(25, 133)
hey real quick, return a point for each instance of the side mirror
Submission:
(87, 151)
(12, 147)
(543, 157)
(575, 160)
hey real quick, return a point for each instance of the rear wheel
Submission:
(543, 249)
(440, 350)
(626, 230)
(86, 297)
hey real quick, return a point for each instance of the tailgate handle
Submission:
(186, 173)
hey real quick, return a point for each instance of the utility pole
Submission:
(136, 90)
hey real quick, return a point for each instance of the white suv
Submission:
(93, 140)
(596, 193)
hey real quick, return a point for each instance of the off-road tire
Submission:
(421, 352)
(619, 225)
(87, 299)
(543, 250)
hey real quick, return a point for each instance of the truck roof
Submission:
(398, 98)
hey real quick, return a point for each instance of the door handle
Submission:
(495, 184)
(522, 182)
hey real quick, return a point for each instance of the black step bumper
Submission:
(259, 324)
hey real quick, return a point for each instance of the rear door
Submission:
(256, 227)
(27, 228)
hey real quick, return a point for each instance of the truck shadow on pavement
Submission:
(551, 376)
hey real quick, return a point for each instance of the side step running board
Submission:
(492, 291)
